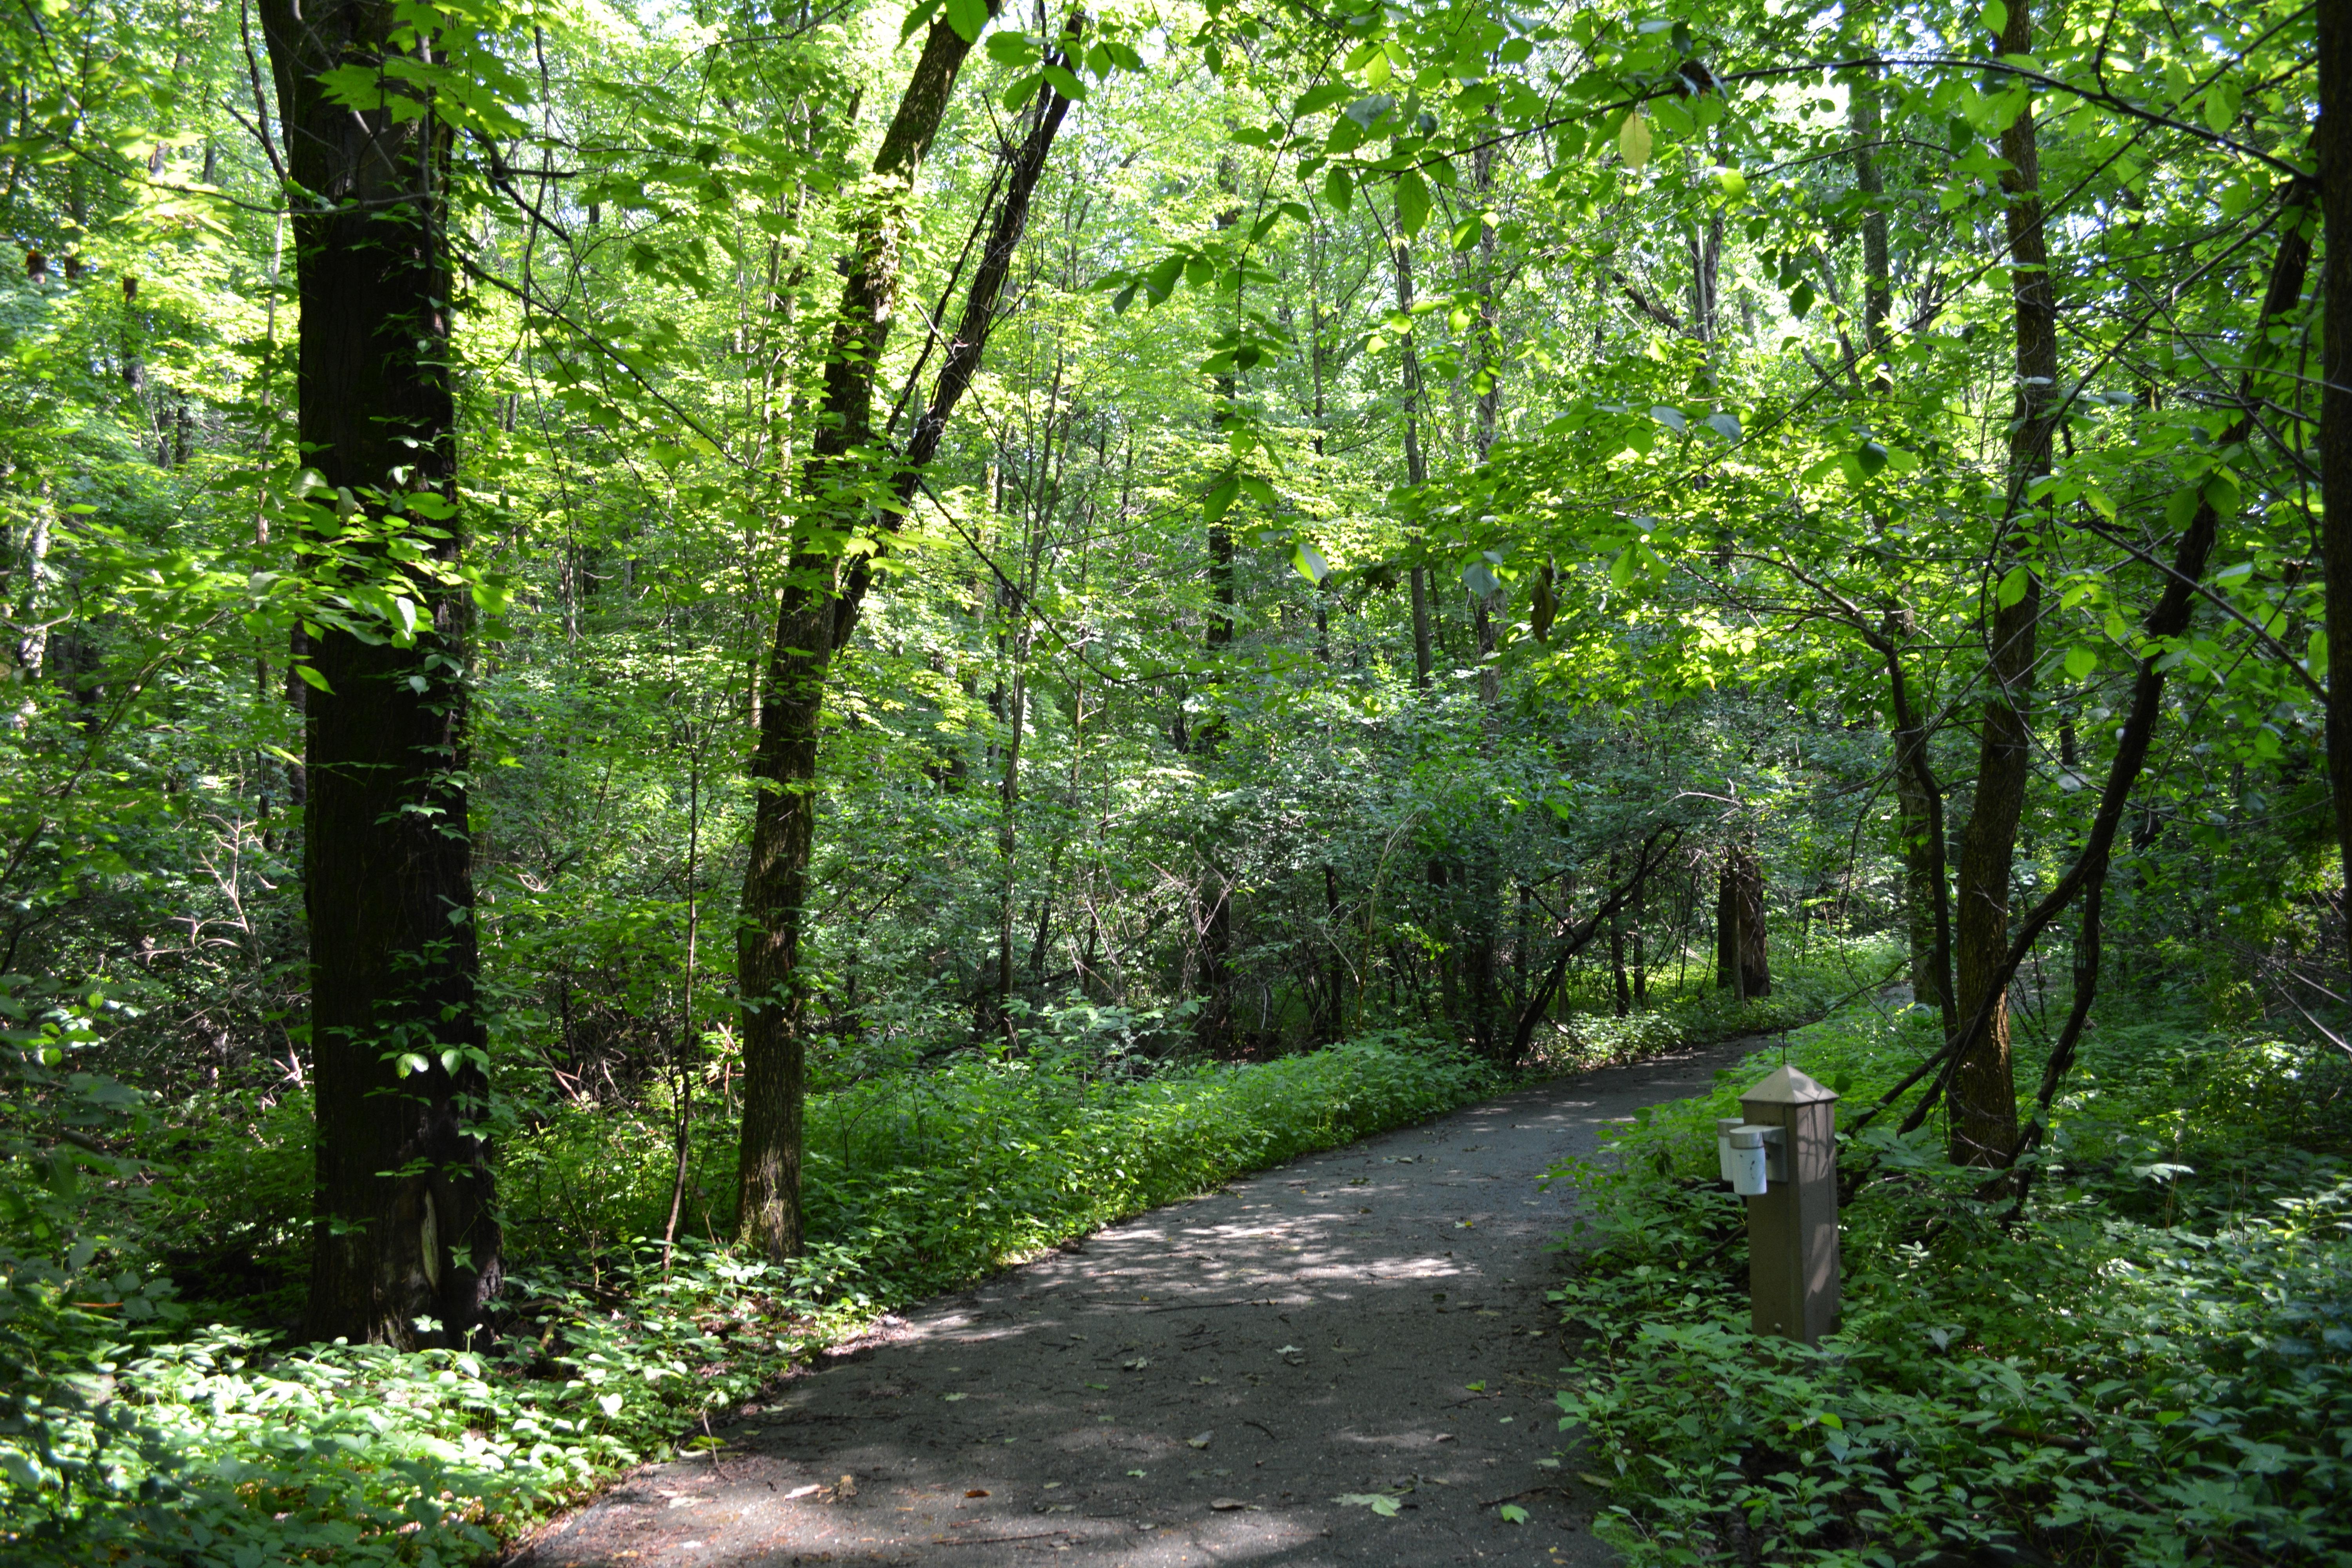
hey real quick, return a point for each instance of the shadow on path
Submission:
(1194, 1385)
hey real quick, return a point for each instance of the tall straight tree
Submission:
(2335, 138)
(1983, 1092)
(404, 1235)
(848, 489)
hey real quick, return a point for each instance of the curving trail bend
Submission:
(1195, 1385)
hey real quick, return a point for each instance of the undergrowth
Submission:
(2153, 1367)
(135, 1428)
(128, 1436)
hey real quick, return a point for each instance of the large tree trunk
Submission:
(1742, 964)
(2335, 401)
(404, 1230)
(819, 610)
(1983, 1094)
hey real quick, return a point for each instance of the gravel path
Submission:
(1200, 1384)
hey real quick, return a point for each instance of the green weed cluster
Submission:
(2153, 1366)
(145, 1442)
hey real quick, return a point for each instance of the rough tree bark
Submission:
(404, 1233)
(2334, 136)
(1742, 964)
(1983, 1095)
(846, 490)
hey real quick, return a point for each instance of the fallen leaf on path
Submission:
(1200, 1442)
(808, 1490)
(1513, 1513)
(1137, 1473)
(1099, 1387)
(1229, 1504)
(1290, 1349)
(977, 1491)
(952, 1398)
(1379, 1502)
(848, 1487)
(1137, 1364)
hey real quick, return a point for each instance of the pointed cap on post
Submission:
(1787, 1085)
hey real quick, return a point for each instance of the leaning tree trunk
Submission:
(1983, 1094)
(820, 604)
(403, 1231)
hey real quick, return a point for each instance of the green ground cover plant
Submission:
(2151, 1366)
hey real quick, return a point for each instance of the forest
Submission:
(679, 673)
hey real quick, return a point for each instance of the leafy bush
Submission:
(2155, 1364)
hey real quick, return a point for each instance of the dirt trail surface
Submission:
(1195, 1385)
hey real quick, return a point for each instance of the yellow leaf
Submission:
(1633, 141)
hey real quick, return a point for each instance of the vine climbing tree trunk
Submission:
(404, 1237)
(1983, 1094)
(849, 490)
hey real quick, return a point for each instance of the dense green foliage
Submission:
(1455, 506)
(2155, 1364)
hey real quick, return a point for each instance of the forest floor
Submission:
(1232, 1379)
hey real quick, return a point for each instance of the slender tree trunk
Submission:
(1621, 985)
(819, 608)
(1416, 469)
(1489, 401)
(2335, 18)
(1216, 1028)
(404, 1225)
(1877, 285)
(1983, 1096)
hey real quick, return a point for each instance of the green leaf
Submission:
(1513, 1513)
(1995, 18)
(968, 17)
(1872, 457)
(1339, 188)
(2081, 661)
(1621, 568)
(1411, 202)
(312, 677)
(1219, 498)
(1669, 416)
(1801, 300)
(2222, 494)
(2221, 103)
(1022, 88)
(1012, 49)
(2012, 586)
(1066, 84)
(1725, 424)
(2181, 510)
(1314, 100)
(2314, 653)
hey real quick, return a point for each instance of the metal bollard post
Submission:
(1792, 1227)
